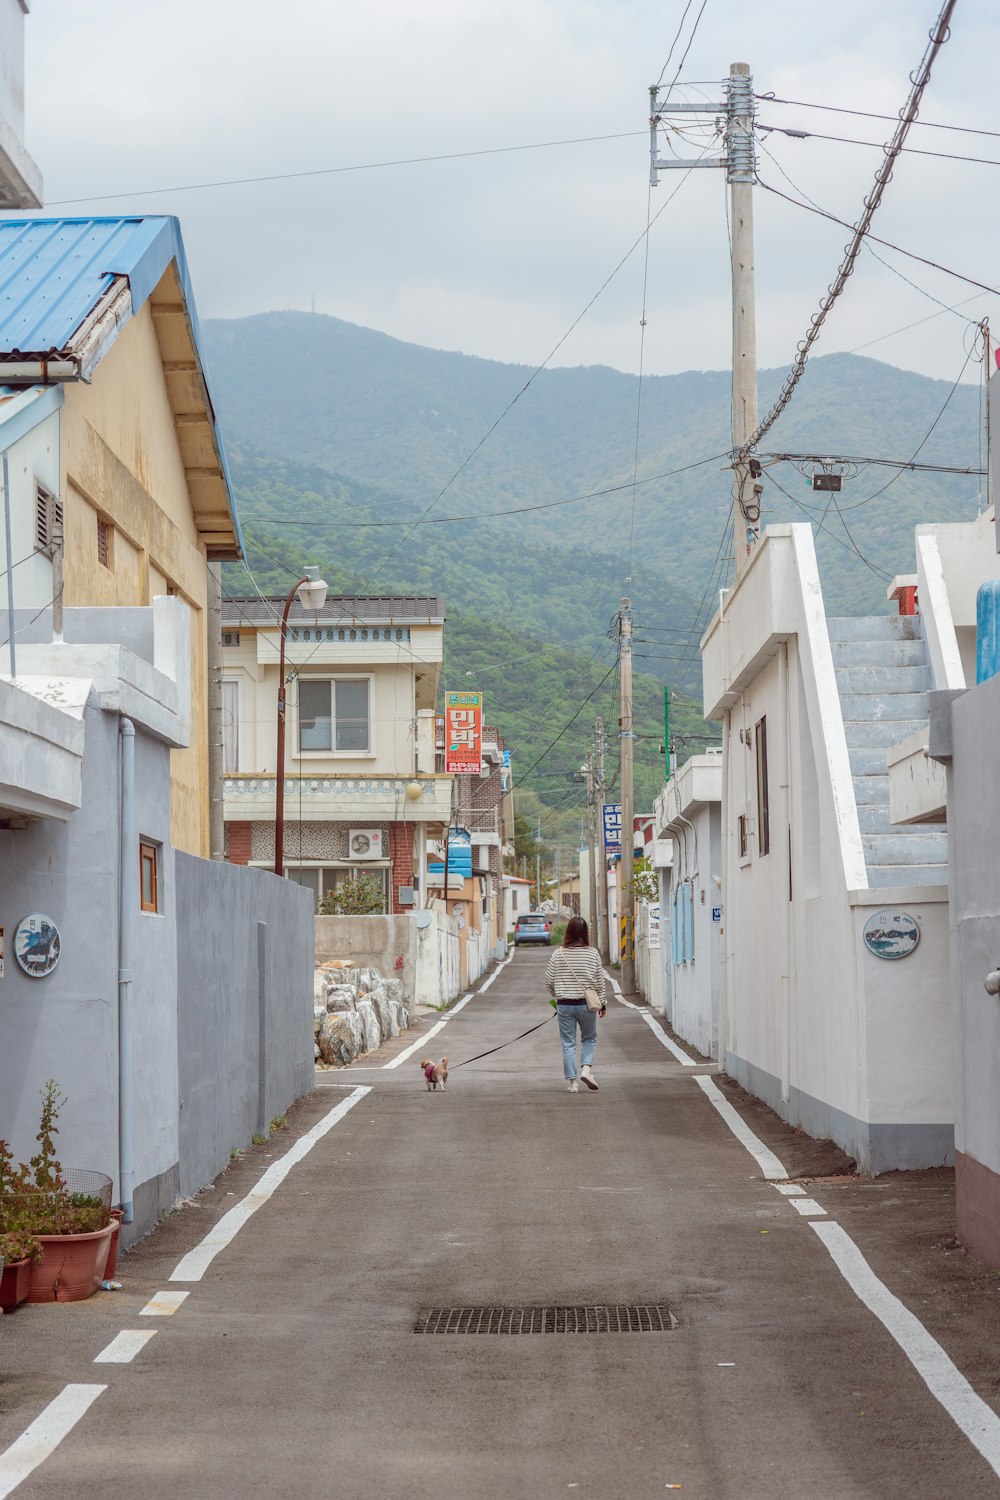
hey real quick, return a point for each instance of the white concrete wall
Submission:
(952, 562)
(839, 1043)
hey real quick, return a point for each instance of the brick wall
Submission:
(401, 854)
(240, 843)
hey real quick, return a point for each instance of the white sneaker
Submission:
(572, 1087)
(588, 1077)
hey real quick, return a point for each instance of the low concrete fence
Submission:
(425, 958)
(244, 1008)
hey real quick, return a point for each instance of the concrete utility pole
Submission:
(592, 818)
(740, 163)
(740, 167)
(627, 740)
(538, 866)
(602, 863)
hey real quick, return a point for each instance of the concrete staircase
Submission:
(884, 677)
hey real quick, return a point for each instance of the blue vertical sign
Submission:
(611, 813)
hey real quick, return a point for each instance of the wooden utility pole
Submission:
(627, 913)
(602, 864)
(740, 176)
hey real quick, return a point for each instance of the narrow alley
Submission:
(288, 1364)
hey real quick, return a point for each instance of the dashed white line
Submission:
(163, 1305)
(666, 1041)
(943, 1379)
(788, 1189)
(762, 1155)
(125, 1346)
(193, 1266)
(807, 1207)
(45, 1434)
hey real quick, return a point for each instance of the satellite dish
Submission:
(422, 918)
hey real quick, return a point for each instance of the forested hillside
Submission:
(366, 455)
(318, 391)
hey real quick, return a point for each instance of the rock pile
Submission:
(355, 1011)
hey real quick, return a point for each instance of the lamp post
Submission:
(312, 595)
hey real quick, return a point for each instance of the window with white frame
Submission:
(334, 714)
(231, 725)
(321, 879)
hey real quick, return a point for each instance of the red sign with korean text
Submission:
(463, 733)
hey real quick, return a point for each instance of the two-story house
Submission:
(115, 473)
(361, 790)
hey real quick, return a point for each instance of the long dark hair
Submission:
(577, 933)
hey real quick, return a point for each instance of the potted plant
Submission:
(67, 1213)
(17, 1251)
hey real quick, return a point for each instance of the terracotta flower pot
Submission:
(72, 1265)
(15, 1279)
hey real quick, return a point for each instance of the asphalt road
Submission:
(292, 1367)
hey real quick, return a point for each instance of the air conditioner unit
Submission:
(365, 843)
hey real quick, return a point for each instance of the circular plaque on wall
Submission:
(37, 944)
(891, 934)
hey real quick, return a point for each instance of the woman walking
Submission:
(573, 969)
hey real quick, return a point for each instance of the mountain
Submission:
(542, 693)
(319, 392)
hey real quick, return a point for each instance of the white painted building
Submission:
(840, 1041)
(362, 794)
(687, 829)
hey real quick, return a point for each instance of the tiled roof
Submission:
(339, 608)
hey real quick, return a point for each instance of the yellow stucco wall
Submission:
(121, 463)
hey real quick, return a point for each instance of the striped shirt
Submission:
(572, 970)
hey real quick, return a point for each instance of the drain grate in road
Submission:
(650, 1317)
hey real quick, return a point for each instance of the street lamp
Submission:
(312, 596)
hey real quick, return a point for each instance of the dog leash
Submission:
(513, 1039)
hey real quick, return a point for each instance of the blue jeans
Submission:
(570, 1017)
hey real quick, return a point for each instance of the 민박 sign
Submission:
(611, 816)
(463, 733)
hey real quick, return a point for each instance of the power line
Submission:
(850, 547)
(847, 140)
(569, 723)
(910, 254)
(944, 306)
(491, 515)
(938, 36)
(865, 114)
(885, 463)
(365, 166)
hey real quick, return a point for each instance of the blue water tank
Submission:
(988, 630)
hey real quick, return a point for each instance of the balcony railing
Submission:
(340, 797)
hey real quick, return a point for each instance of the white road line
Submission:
(125, 1346)
(163, 1305)
(618, 992)
(496, 972)
(946, 1383)
(762, 1155)
(438, 1026)
(666, 1041)
(788, 1189)
(193, 1266)
(808, 1208)
(45, 1434)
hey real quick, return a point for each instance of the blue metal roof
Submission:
(54, 272)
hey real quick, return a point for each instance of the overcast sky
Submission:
(497, 255)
